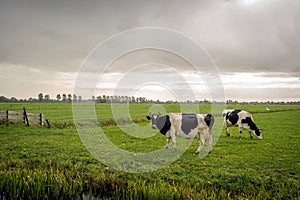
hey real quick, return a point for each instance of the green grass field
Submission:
(51, 163)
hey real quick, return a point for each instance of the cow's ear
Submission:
(148, 117)
(159, 114)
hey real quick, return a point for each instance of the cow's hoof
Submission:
(228, 134)
(209, 152)
(197, 152)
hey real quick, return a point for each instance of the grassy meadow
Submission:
(52, 163)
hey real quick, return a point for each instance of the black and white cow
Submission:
(187, 126)
(243, 120)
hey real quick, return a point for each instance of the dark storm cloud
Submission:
(255, 37)
(240, 35)
(57, 35)
(252, 36)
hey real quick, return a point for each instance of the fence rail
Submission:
(13, 117)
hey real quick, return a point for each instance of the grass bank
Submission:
(38, 162)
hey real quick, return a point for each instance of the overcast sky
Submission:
(254, 43)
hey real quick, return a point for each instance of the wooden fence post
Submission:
(7, 122)
(25, 117)
(41, 119)
(13, 117)
(48, 123)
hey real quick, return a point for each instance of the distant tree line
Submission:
(263, 102)
(65, 98)
(43, 98)
(69, 98)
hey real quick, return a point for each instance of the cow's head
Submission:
(154, 118)
(258, 134)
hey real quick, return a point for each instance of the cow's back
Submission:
(186, 125)
(234, 117)
(244, 114)
(188, 122)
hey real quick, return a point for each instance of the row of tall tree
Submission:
(68, 98)
(43, 98)
(59, 97)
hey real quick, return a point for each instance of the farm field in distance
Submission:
(50, 163)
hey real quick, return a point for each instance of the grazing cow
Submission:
(242, 119)
(187, 126)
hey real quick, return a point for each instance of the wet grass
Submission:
(38, 162)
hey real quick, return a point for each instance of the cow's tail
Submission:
(210, 120)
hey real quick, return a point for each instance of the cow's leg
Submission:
(201, 143)
(250, 133)
(168, 141)
(240, 130)
(173, 137)
(174, 142)
(227, 132)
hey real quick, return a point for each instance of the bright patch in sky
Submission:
(259, 80)
(248, 2)
(232, 82)
(161, 92)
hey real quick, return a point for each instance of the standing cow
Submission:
(187, 126)
(242, 119)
